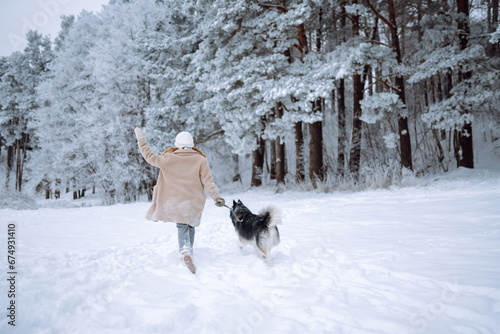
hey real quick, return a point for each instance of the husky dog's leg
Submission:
(267, 256)
(275, 235)
(241, 242)
(264, 242)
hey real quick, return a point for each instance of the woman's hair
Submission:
(173, 149)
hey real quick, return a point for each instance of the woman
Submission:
(179, 192)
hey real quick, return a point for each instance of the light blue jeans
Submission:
(186, 237)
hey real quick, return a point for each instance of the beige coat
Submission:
(179, 196)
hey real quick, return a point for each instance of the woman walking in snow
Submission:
(179, 192)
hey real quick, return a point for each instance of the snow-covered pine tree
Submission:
(239, 62)
(403, 130)
(122, 94)
(464, 151)
(64, 118)
(450, 99)
(22, 72)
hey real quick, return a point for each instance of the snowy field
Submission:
(424, 258)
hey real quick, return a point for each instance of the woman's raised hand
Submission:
(139, 134)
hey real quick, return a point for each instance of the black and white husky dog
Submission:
(258, 230)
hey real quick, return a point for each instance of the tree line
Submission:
(314, 91)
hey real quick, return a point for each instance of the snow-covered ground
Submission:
(423, 258)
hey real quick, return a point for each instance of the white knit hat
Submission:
(184, 139)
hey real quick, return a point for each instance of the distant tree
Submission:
(358, 88)
(404, 133)
(341, 104)
(65, 116)
(464, 151)
(316, 168)
(22, 73)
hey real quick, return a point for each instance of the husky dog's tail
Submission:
(273, 218)
(273, 215)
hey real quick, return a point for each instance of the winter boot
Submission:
(185, 256)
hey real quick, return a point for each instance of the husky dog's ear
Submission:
(239, 202)
(234, 203)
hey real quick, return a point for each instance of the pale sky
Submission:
(19, 16)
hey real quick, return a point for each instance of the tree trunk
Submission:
(127, 196)
(149, 190)
(73, 186)
(18, 165)
(492, 49)
(299, 134)
(318, 31)
(316, 170)
(404, 134)
(299, 148)
(342, 132)
(405, 143)
(258, 163)
(465, 151)
(343, 15)
(492, 15)
(272, 160)
(280, 162)
(24, 148)
(420, 14)
(48, 192)
(465, 156)
(355, 151)
(440, 150)
(57, 192)
(430, 97)
(302, 38)
(280, 151)
(236, 173)
(10, 164)
(342, 135)
(299, 137)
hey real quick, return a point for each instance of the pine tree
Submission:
(22, 74)
(404, 134)
(464, 150)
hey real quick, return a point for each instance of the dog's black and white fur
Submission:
(258, 230)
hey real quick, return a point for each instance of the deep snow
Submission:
(423, 258)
